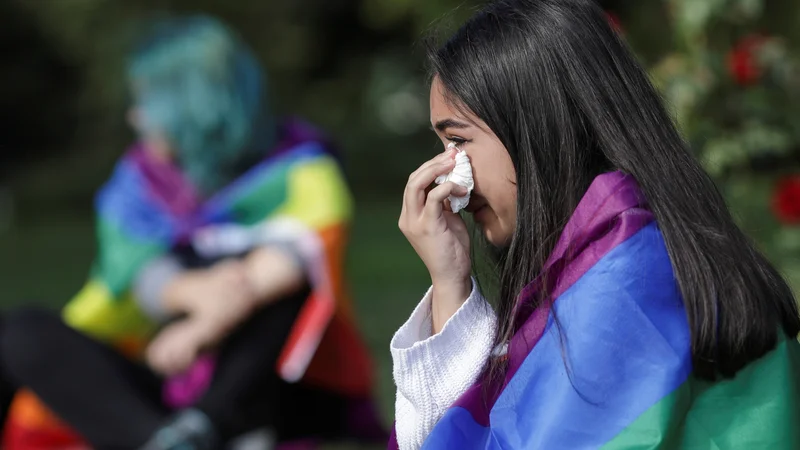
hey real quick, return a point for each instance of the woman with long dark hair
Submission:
(631, 311)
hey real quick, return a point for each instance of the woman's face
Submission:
(493, 203)
(155, 143)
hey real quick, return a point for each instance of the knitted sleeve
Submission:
(432, 371)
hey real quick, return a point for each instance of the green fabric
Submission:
(758, 409)
(121, 256)
(263, 198)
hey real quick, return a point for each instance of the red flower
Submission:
(786, 200)
(613, 19)
(743, 61)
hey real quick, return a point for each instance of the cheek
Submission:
(504, 205)
(494, 181)
(509, 214)
(507, 188)
(499, 226)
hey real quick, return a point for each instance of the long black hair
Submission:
(569, 101)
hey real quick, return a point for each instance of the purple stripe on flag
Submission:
(393, 445)
(169, 186)
(166, 183)
(611, 212)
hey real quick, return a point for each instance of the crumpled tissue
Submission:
(460, 175)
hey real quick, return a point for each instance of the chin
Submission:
(496, 236)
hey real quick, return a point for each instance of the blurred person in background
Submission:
(217, 303)
(631, 312)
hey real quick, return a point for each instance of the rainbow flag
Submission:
(617, 373)
(147, 208)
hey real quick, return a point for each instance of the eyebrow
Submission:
(450, 123)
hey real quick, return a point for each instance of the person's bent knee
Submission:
(29, 337)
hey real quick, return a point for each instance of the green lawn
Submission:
(45, 262)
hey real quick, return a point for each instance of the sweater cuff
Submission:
(437, 369)
(149, 285)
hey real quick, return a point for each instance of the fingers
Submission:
(156, 359)
(170, 359)
(170, 353)
(441, 157)
(436, 197)
(418, 182)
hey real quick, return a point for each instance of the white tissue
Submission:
(460, 175)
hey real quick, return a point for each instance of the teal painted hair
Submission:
(199, 86)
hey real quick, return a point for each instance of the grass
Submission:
(44, 262)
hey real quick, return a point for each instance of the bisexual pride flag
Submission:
(615, 371)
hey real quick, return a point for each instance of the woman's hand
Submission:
(439, 236)
(227, 299)
(221, 299)
(176, 347)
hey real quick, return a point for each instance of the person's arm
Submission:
(431, 370)
(162, 287)
(165, 288)
(274, 272)
(446, 299)
(216, 299)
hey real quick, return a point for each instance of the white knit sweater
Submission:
(431, 372)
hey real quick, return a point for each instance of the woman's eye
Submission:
(457, 140)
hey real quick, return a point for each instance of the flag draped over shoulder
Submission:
(147, 208)
(615, 370)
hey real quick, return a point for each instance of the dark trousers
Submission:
(115, 403)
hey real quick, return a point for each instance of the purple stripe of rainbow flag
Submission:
(616, 372)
